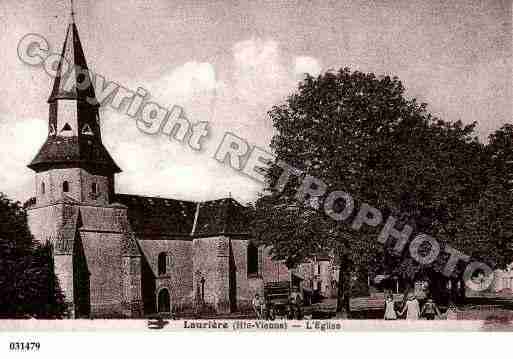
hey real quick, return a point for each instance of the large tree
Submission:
(485, 229)
(359, 133)
(28, 285)
(500, 148)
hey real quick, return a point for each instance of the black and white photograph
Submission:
(255, 166)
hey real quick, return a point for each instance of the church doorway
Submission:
(163, 301)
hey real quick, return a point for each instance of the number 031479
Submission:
(24, 346)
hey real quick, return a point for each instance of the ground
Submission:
(496, 312)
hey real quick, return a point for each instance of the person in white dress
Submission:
(390, 313)
(412, 308)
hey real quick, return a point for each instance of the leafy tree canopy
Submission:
(359, 133)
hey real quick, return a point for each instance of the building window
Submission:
(162, 263)
(93, 188)
(65, 186)
(252, 259)
(42, 188)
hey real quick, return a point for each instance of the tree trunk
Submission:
(462, 294)
(343, 292)
(454, 291)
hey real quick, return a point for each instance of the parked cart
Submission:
(282, 300)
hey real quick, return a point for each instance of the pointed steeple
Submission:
(74, 134)
(73, 80)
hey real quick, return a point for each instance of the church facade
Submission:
(121, 255)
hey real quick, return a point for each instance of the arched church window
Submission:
(43, 188)
(252, 259)
(162, 263)
(94, 188)
(65, 186)
(66, 127)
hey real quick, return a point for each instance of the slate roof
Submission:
(66, 150)
(73, 53)
(170, 217)
(151, 217)
(222, 216)
(158, 216)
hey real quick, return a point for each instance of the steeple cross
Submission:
(72, 11)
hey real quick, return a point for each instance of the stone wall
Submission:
(103, 188)
(103, 253)
(80, 186)
(211, 271)
(132, 291)
(211, 259)
(273, 271)
(53, 180)
(245, 287)
(179, 269)
(45, 222)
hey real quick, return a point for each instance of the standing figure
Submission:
(412, 308)
(430, 310)
(390, 313)
(258, 306)
(295, 302)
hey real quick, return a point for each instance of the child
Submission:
(411, 308)
(390, 313)
(430, 310)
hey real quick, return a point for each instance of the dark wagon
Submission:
(277, 298)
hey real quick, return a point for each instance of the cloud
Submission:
(232, 83)
(306, 65)
(259, 73)
(20, 139)
(192, 85)
(187, 80)
(257, 79)
(256, 53)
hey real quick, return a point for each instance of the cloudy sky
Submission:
(228, 62)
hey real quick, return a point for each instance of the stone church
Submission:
(121, 255)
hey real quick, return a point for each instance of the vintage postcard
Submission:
(255, 166)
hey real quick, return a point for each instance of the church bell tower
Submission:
(73, 161)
